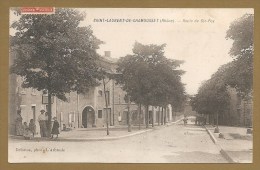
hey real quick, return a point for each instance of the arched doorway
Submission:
(88, 117)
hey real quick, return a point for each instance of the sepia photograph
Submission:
(130, 85)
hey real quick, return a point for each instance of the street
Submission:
(171, 144)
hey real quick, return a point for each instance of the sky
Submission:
(196, 36)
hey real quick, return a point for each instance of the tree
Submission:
(240, 73)
(55, 54)
(149, 78)
(167, 87)
(106, 74)
(213, 97)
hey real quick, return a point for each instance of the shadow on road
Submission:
(194, 157)
(239, 136)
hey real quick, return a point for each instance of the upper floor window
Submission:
(21, 90)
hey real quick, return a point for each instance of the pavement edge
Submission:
(222, 151)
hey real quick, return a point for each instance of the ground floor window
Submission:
(99, 113)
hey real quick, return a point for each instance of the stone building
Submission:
(81, 111)
(240, 112)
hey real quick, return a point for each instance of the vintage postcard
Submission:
(130, 85)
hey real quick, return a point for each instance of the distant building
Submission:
(240, 112)
(81, 111)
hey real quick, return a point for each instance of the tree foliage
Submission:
(213, 96)
(149, 77)
(240, 72)
(53, 52)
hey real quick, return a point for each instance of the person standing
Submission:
(46, 124)
(19, 124)
(55, 128)
(185, 120)
(41, 120)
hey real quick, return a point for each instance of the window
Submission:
(21, 90)
(100, 93)
(71, 117)
(99, 113)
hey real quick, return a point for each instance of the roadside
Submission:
(98, 134)
(235, 145)
(164, 144)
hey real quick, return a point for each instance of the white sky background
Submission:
(202, 46)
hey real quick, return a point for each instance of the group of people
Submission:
(22, 129)
(29, 131)
(185, 120)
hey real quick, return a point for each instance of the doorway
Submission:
(34, 113)
(88, 117)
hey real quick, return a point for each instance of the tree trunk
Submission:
(162, 117)
(165, 114)
(128, 114)
(217, 120)
(49, 125)
(216, 129)
(147, 116)
(140, 110)
(78, 109)
(152, 116)
(159, 116)
(104, 84)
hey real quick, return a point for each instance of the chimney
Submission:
(107, 53)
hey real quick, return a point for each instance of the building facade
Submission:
(81, 111)
(240, 111)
